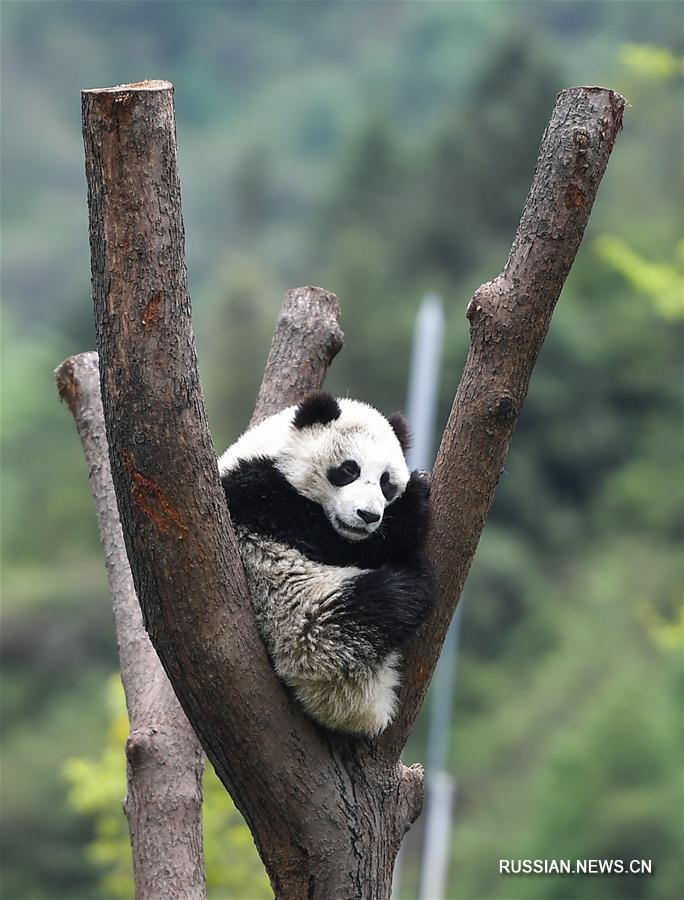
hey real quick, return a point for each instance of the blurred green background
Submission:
(381, 150)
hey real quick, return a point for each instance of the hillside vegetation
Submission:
(382, 150)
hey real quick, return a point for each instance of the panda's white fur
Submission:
(336, 594)
(304, 456)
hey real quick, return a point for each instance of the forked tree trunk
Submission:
(327, 813)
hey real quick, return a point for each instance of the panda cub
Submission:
(331, 528)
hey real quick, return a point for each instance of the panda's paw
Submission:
(416, 499)
(419, 484)
(407, 520)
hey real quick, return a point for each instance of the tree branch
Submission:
(165, 760)
(509, 318)
(306, 340)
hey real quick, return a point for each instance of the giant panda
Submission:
(331, 527)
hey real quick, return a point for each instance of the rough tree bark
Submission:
(307, 338)
(327, 813)
(164, 757)
(509, 318)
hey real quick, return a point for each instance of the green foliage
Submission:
(652, 61)
(662, 283)
(581, 758)
(46, 715)
(97, 788)
(37, 442)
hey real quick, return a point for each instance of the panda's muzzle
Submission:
(367, 516)
(343, 526)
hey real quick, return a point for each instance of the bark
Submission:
(306, 339)
(164, 757)
(509, 318)
(327, 813)
(327, 817)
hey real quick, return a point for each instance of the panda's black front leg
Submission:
(406, 523)
(388, 605)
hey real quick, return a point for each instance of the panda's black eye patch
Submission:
(389, 490)
(343, 474)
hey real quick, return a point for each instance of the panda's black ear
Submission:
(402, 429)
(318, 409)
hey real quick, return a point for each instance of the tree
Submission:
(164, 759)
(327, 812)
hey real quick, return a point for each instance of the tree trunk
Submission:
(327, 812)
(165, 760)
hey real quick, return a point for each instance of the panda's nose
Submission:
(368, 517)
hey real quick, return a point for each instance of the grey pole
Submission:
(440, 786)
(421, 409)
(426, 360)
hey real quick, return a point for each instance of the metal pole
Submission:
(426, 360)
(421, 408)
(440, 787)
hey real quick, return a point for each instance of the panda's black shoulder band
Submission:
(262, 501)
(318, 409)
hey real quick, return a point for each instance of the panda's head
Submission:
(348, 458)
